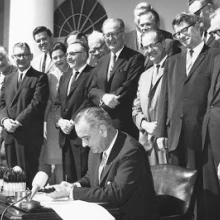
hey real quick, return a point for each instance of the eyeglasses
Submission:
(112, 34)
(183, 31)
(215, 32)
(96, 49)
(198, 12)
(19, 56)
(150, 46)
(74, 53)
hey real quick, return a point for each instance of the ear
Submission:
(31, 56)
(103, 130)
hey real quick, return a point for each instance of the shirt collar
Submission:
(80, 69)
(197, 50)
(118, 53)
(161, 62)
(24, 72)
(108, 151)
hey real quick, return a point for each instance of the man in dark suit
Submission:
(204, 10)
(118, 172)
(116, 77)
(72, 97)
(23, 101)
(211, 149)
(133, 38)
(186, 82)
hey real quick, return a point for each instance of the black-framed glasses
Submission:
(198, 12)
(217, 32)
(74, 53)
(150, 46)
(112, 34)
(183, 31)
(21, 55)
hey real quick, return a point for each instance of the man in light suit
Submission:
(23, 100)
(44, 39)
(211, 149)
(116, 77)
(183, 102)
(204, 10)
(71, 98)
(123, 179)
(145, 106)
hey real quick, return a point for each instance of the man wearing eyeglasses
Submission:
(215, 24)
(97, 47)
(23, 100)
(145, 106)
(116, 77)
(71, 98)
(204, 10)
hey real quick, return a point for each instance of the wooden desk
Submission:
(42, 213)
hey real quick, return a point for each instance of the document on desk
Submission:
(69, 210)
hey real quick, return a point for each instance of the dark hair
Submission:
(79, 35)
(41, 29)
(94, 117)
(154, 13)
(58, 46)
(22, 45)
(158, 33)
(120, 22)
(203, 1)
(187, 17)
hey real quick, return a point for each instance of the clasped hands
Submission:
(63, 190)
(66, 125)
(11, 125)
(111, 100)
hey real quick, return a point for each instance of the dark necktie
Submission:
(74, 77)
(112, 64)
(156, 71)
(44, 63)
(20, 79)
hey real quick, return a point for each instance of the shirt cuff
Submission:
(71, 194)
(2, 121)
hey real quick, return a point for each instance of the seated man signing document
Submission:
(118, 174)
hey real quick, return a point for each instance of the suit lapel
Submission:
(65, 85)
(119, 143)
(181, 68)
(210, 40)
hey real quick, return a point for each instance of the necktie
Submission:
(20, 79)
(102, 165)
(156, 71)
(189, 61)
(74, 77)
(205, 36)
(44, 63)
(111, 65)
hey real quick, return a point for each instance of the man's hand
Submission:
(61, 191)
(162, 143)
(10, 125)
(65, 125)
(149, 127)
(110, 100)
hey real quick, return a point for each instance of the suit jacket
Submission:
(38, 61)
(26, 104)
(145, 106)
(212, 42)
(123, 82)
(183, 98)
(67, 107)
(126, 181)
(211, 123)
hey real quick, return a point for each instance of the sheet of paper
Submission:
(69, 210)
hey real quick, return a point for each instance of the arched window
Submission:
(81, 15)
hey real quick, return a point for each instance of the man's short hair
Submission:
(187, 17)
(203, 1)
(22, 45)
(79, 36)
(41, 29)
(119, 21)
(154, 13)
(159, 35)
(96, 35)
(94, 117)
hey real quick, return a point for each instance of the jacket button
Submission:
(184, 100)
(181, 116)
(212, 106)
